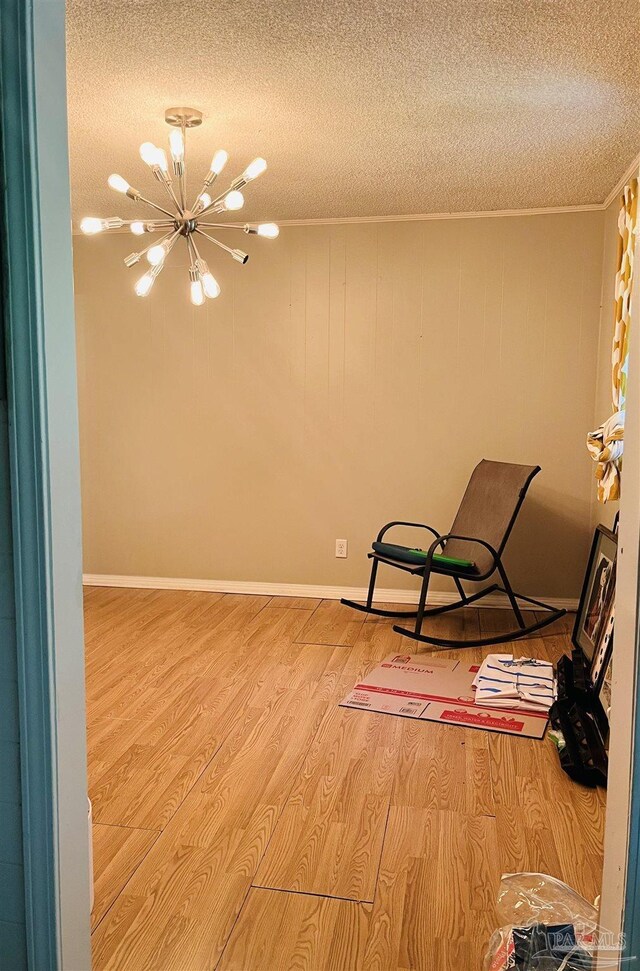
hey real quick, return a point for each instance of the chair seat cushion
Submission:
(417, 557)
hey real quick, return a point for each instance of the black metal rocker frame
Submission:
(457, 575)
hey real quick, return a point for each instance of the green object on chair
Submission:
(447, 560)
(407, 554)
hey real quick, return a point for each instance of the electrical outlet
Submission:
(341, 548)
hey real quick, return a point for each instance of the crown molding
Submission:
(619, 186)
(425, 217)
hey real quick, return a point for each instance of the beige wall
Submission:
(348, 375)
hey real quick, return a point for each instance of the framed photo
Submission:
(602, 653)
(593, 631)
(604, 697)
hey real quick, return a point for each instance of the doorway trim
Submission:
(620, 908)
(45, 493)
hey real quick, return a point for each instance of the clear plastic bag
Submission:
(563, 924)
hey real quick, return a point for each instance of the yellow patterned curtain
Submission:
(606, 444)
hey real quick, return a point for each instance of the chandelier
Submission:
(189, 223)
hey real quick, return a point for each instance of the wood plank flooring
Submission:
(243, 821)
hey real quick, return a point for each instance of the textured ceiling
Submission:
(361, 107)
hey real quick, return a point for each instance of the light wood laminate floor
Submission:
(242, 820)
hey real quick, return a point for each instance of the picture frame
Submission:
(593, 629)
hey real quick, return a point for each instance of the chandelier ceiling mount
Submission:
(183, 117)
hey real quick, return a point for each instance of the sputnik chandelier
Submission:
(184, 222)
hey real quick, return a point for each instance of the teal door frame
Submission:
(39, 323)
(631, 923)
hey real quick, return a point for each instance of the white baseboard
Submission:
(436, 598)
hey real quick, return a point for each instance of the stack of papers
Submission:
(517, 683)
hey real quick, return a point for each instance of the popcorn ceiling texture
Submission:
(362, 108)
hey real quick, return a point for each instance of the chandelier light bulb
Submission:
(90, 225)
(161, 159)
(118, 183)
(254, 169)
(233, 200)
(176, 144)
(204, 201)
(219, 161)
(156, 254)
(149, 153)
(268, 230)
(197, 293)
(137, 227)
(210, 285)
(144, 284)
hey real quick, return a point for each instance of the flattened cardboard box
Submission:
(437, 690)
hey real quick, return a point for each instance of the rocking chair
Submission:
(471, 551)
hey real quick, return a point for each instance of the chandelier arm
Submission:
(171, 193)
(171, 240)
(183, 170)
(216, 241)
(154, 205)
(196, 251)
(191, 246)
(223, 225)
(158, 223)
